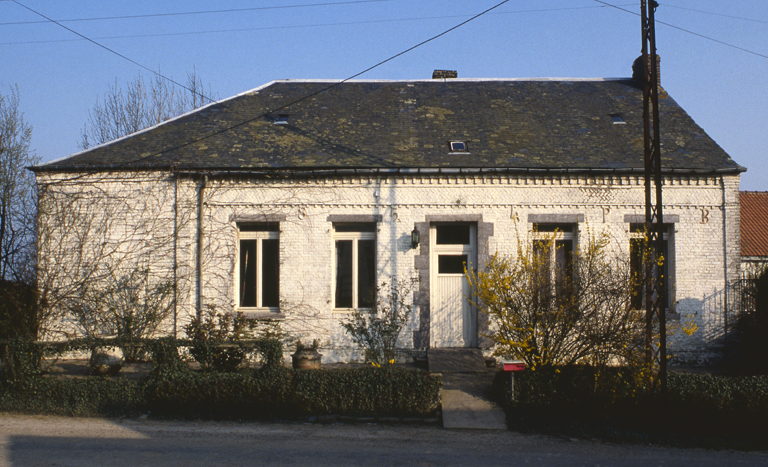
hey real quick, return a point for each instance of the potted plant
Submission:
(306, 357)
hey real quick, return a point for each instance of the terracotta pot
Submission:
(306, 359)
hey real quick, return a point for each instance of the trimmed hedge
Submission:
(367, 391)
(174, 390)
(213, 395)
(284, 393)
(261, 394)
(699, 410)
(89, 397)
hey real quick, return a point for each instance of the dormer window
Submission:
(281, 119)
(458, 146)
(617, 119)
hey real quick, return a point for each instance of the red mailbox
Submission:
(513, 365)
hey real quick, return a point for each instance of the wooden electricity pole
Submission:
(655, 286)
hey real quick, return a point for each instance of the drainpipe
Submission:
(200, 198)
(725, 267)
(175, 254)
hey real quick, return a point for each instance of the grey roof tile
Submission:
(515, 124)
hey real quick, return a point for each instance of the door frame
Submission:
(467, 309)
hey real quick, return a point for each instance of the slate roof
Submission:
(513, 124)
(754, 223)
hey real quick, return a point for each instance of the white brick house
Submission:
(289, 201)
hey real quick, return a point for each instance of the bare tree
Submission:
(17, 193)
(141, 104)
(98, 229)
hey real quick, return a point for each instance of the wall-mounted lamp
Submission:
(414, 238)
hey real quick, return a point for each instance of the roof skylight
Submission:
(618, 119)
(458, 146)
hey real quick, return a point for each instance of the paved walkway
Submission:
(466, 397)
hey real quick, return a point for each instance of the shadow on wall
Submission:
(714, 341)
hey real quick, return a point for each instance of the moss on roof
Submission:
(516, 124)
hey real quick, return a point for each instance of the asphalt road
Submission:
(58, 441)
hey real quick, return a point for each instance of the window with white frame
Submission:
(354, 265)
(637, 256)
(258, 269)
(553, 247)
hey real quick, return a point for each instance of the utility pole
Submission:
(655, 282)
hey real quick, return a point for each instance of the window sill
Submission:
(350, 310)
(262, 314)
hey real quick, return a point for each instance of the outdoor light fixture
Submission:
(414, 238)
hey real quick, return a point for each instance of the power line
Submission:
(717, 14)
(688, 31)
(116, 53)
(204, 12)
(326, 88)
(267, 28)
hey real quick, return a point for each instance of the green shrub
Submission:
(377, 329)
(246, 395)
(83, 397)
(165, 358)
(698, 410)
(752, 327)
(209, 331)
(272, 393)
(18, 310)
(21, 360)
(367, 391)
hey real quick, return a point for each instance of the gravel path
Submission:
(60, 441)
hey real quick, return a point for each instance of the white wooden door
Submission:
(453, 320)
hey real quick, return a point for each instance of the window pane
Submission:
(542, 259)
(270, 277)
(366, 269)
(247, 273)
(636, 271)
(665, 281)
(452, 234)
(451, 264)
(564, 271)
(343, 273)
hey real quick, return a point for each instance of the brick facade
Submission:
(159, 226)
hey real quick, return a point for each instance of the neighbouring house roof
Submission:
(514, 124)
(754, 223)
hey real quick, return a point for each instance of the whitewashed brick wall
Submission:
(705, 244)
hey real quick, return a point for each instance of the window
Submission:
(553, 247)
(617, 119)
(354, 265)
(458, 146)
(259, 266)
(637, 267)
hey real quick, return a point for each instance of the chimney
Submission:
(445, 74)
(637, 69)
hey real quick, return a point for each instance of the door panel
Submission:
(452, 317)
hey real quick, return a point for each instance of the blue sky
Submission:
(704, 68)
